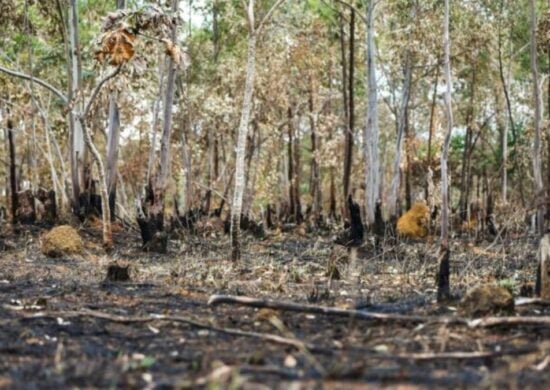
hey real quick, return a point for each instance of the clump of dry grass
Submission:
(60, 241)
(414, 223)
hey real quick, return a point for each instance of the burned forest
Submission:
(274, 194)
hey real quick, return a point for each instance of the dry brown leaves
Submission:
(117, 47)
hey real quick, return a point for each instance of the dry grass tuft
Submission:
(487, 299)
(414, 223)
(60, 241)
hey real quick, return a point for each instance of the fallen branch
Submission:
(171, 318)
(487, 322)
(329, 311)
(531, 301)
(462, 355)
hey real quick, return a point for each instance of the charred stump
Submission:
(118, 273)
(151, 223)
(352, 237)
(379, 227)
(49, 206)
(26, 211)
(443, 276)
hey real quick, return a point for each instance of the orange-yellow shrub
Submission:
(414, 223)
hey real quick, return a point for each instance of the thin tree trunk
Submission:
(291, 176)
(348, 155)
(507, 123)
(77, 143)
(164, 170)
(510, 117)
(467, 153)
(370, 141)
(241, 148)
(408, 146)
(187, 167)
(443, 285)
(537, 164)
(297, 178)
(394, 193)
(315, 190)
(13, 172)
(431, 132)
(113, 137)
(156, 111)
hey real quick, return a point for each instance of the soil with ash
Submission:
(49, 339)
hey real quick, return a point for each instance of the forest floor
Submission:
(63, 326)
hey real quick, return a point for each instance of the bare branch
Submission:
(43, 83)
(268, 15)
(97, 89)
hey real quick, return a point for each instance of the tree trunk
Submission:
(464, 204)
(298, 217)
(315, 190)
(393, 206)
(291, 175)
(13, 172)
(77, 143)
(408, 165)
(241, 149)
(509, 109)
(430, 135)
(543, 275)
(348, 155)
(370, 142)
(537, 101)
(507, 122)
(443, 285)
(113, 137)
(156, 110)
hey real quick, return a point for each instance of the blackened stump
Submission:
(443, 285)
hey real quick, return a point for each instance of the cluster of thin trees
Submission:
(78, 102)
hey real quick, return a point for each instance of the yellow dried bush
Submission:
(61, 240)
(414, 223)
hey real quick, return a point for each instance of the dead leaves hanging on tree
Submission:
(117, 47)
(117, 44)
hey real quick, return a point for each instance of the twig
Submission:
(330, 311)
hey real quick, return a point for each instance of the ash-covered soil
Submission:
(49, 339)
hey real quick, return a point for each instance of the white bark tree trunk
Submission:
(77, 143)
(370, 144)
(443, 291)
(537, 165)
(405, 93)
(113, 137)
(241, 149)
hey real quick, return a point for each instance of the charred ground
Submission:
(48, 338)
